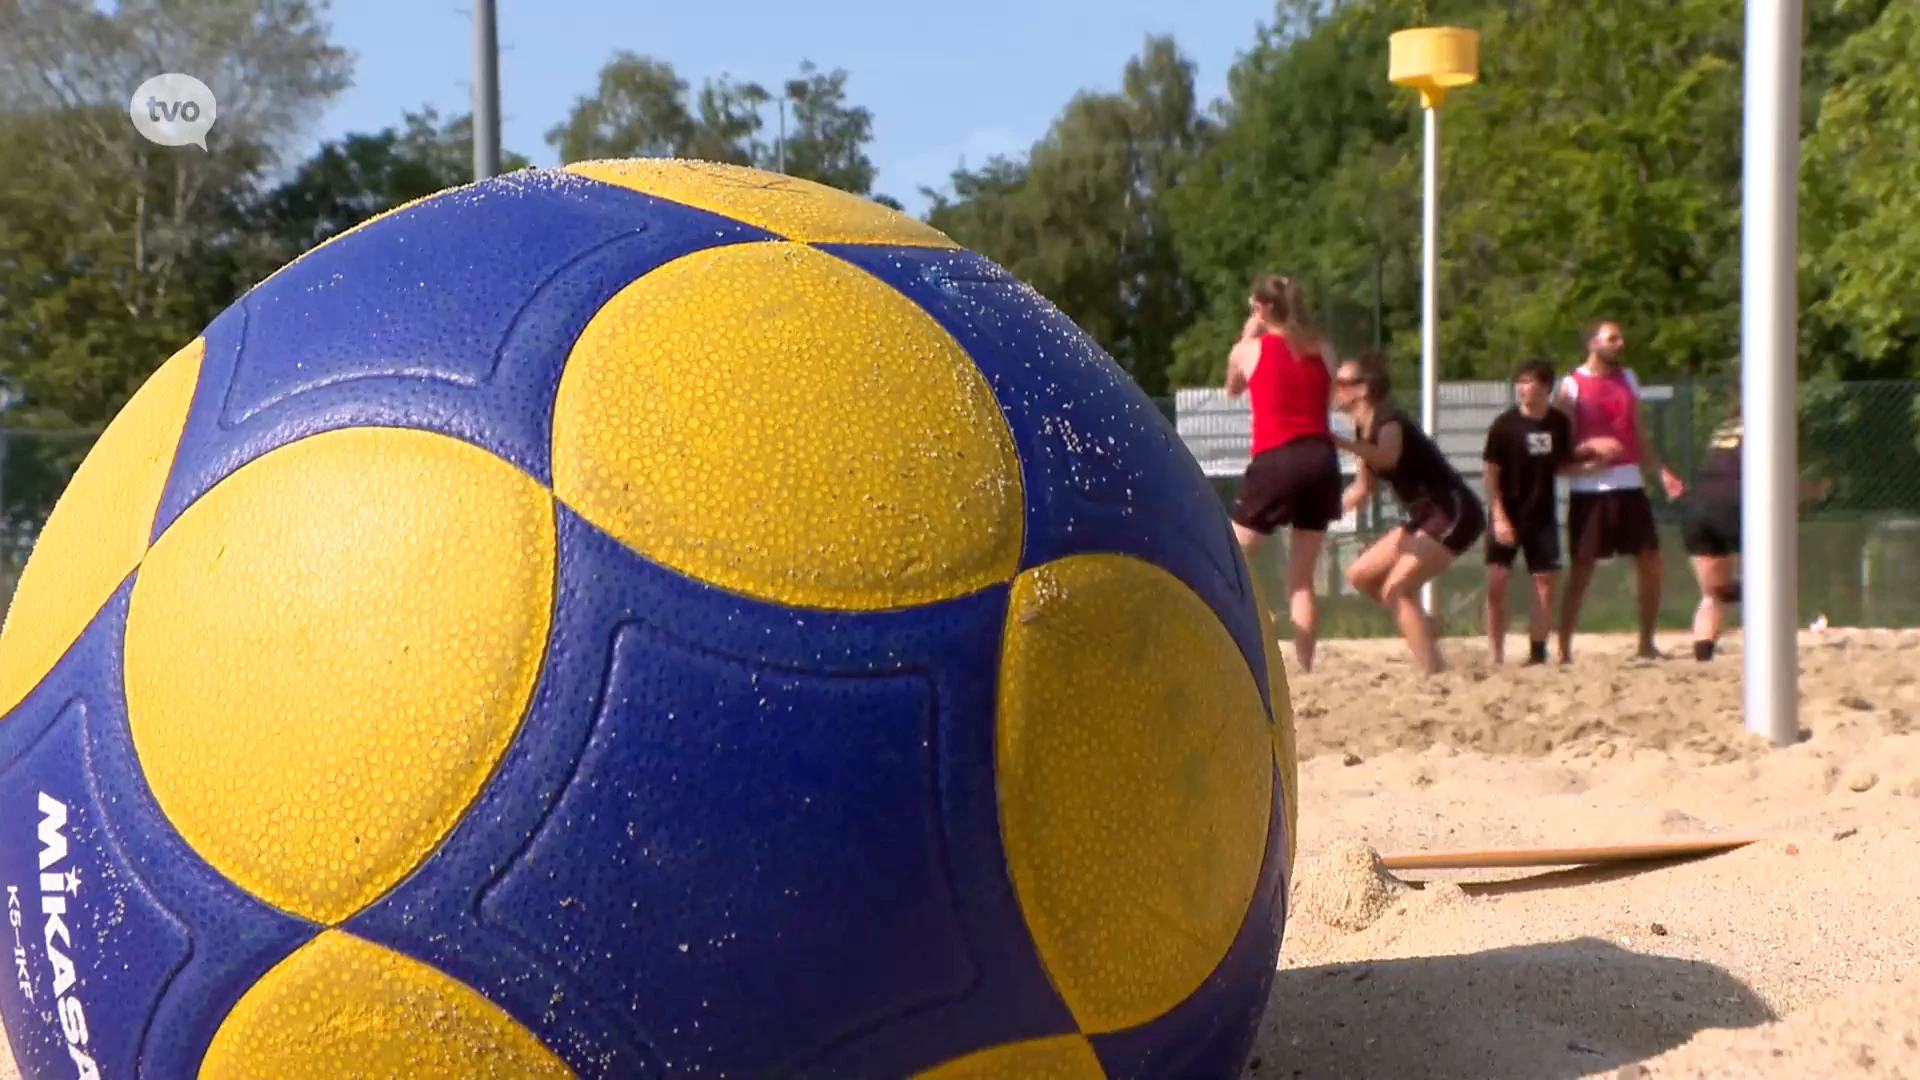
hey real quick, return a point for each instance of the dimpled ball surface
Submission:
(647, 619)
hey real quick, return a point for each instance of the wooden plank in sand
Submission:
(1567, 856)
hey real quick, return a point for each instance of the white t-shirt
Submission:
(1614, 477)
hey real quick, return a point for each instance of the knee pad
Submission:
(1728, 593)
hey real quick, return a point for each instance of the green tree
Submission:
(828, 139)
(1315, 173)
(1595, 169)
(638, 109)
(354, 178)
(1083, 218)
(728, 123)
(103, 236)
(1596, 173)
(983, 209)
(641, 108)
(112, 249)
(1860, 203)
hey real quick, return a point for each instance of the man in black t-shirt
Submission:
(1527, 447)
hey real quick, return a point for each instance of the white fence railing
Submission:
(1216, 429)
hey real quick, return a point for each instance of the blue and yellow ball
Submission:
(638, 620)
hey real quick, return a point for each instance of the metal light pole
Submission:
(1430, 274)
(1769, 339)
(1432, 60)
(486, 91)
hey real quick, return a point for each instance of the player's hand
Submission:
(1603, 450)
(1351, 499)
(1674, 485)
(1502, 530)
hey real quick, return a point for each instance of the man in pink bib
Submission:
(1608, 512)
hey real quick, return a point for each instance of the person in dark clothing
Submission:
(1710, 529)
(1528, 446)
(1443, 516)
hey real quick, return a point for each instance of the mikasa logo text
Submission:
(56, 885)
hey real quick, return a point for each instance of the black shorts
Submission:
(1455, 519)
(1539, 541)
(1603, 524)
(1295, 484)
(1711, 528)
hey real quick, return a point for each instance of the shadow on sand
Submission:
(1536, 1012)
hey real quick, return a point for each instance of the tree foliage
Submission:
(1595, 170)
(1862, 171)
(642, 108)
(1085, 218)
(104, 237)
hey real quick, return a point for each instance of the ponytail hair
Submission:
(1282, 295)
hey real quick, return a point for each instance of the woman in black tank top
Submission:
(1443, 516)
(1710, 529)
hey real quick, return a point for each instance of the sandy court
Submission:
(1797, 957)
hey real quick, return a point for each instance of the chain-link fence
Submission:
(1859, 550)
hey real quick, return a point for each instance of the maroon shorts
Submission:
(1296, 484)
(1454, 518)
(1603, 524)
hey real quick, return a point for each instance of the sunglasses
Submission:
(1349, 380)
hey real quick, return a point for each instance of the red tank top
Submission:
(1607, 405)
(1289, 395)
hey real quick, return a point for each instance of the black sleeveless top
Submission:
(1718, 478)
(1422, 472)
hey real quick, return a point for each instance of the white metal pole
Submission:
(486, 92)
(1430, 299)
(1769, 338)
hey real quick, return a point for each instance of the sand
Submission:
(1798, 956)
(1795, 957)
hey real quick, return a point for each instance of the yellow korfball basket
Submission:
(1433, 60)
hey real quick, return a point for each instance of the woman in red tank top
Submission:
(1293, 479)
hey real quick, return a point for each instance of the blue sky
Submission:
(945, 82)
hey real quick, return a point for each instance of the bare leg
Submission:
(1497, 611)
(1422, 558)
(1647, 569)
(1250, 540)
(1250, 544)
(1577, 581)
(1418, 631)
(1540, 619)
(1715, 574)
(1303, 553)
(1368, 573)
